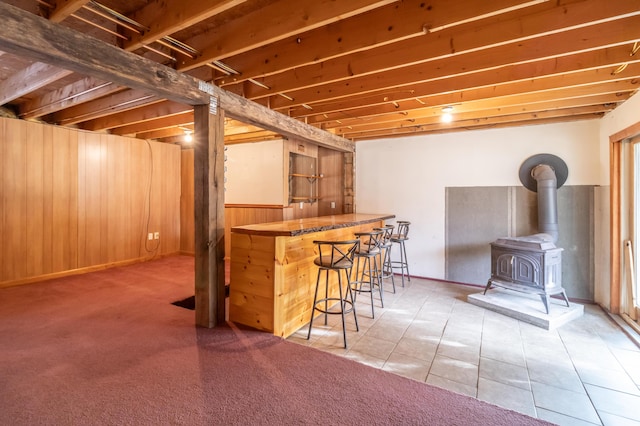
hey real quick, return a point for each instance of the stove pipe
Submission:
(547, 200)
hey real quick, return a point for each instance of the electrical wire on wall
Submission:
(149, 248)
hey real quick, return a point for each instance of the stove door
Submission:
(517, 268)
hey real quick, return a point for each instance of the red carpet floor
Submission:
(110, 348)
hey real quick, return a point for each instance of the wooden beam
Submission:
(609, 57)
(29, 79)
(165, 133)
(387, 24)
(65, 97)
(147, 112)
(586, 83)
(470, 119)
(209, 216)
(123, 100)
(365, 72)
(63, 47)
(64, 9)
(258, 136)
(275, 21)
(166, 17)
(492, 123)
(433, 116)
(155, 124)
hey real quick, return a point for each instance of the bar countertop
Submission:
(292, 228)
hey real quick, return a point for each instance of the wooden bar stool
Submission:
(400, 237)
(385, 254)
(335, 256)
(369, 275)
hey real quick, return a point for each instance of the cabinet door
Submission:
(302, 178)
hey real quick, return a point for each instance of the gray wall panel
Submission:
(476, 216)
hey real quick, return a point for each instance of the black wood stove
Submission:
(533, 264)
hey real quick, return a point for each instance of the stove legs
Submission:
(543, 296)
(545, 300)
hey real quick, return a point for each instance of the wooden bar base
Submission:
(273, 276)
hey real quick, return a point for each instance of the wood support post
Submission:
(209, 216)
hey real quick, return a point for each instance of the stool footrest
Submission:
(334, 312)
(371, 286)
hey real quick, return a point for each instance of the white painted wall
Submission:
(619, 119)
(408, 176)
(254, 173)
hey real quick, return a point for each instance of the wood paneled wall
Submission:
(72, 200)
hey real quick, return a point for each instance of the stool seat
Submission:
(335, 256)
(329, 264)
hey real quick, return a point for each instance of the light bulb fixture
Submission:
(187, 136)
(446, 114)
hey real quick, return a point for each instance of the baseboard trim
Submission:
(79, 271)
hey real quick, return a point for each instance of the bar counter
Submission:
(273, 277)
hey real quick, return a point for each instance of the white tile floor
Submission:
(583, 373)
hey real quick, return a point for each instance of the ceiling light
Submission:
(446, 114)
(187, 136)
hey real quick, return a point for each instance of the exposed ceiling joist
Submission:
(124, 100)
(166, 17)
(137, 115)
(65, 8)
(594, 79)
(388, 24)
(605, 59)
(29, 79)
(303, 89)
(540, 110)
(72, 94)
(358, 69)
(158, 123)
(276, 21)
(60, 46)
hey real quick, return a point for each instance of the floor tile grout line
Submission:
(526, 338)
(575, 369)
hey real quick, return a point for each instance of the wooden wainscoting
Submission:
(74, 200)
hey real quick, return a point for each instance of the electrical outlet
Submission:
(150, 236)
(301, 205)
(333, 204)
(156, 236)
